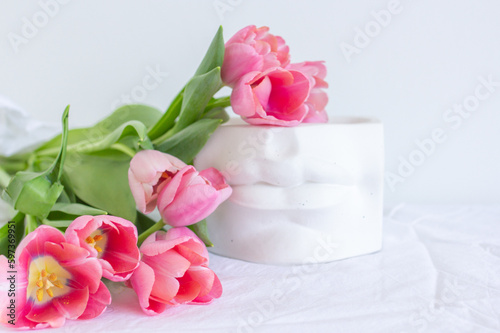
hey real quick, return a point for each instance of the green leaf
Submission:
(213, 59)
(197, 94)
(200, 229)
(67, 195)
(217, 113)
(58, 223)
(215, 54)
(145, 114)
(100, 179)
(35, 193)
(77, 209)
(168, 119)
(4, 178)
(188, 142)
(100, 135)
(133, 128)
(16, 230)
(62, 214)
(15, 163)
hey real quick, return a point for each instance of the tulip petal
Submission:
(165, 287)
(262, 90)
(186, 250)
(245, 35)
(79, 229)
(204, 276)
(239, 59)
(243, 101)
(69, 306)
(215, 292)
(215, 178)
(189, 198)
(66, 254)
(168, 263)
(167, 194)
(142, 282)
(46, 313)
(73, 304)
(188, 239)
(145, 172)
(287, 95)
(160, 242)
(187, 292)
(192, 205)
(97, 303)
(32, 245)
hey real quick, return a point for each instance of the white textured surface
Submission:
(311, 192)
(439, 271)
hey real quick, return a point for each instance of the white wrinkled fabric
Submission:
(19, 131)
(439, 271)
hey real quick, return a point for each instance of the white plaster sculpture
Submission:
(305, 194)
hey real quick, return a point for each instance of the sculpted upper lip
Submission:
(291, 172)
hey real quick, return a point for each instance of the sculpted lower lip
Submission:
(304, 196)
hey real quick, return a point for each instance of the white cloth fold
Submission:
(18, 131)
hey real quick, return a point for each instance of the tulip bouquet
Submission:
(83, 199)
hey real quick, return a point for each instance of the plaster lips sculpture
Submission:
(305, 194)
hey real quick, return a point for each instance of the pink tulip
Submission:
(174, 270)
(252, 49)
(317, 100)
(149, 171)
(55, 281)
(190, 196)
(273, 97)
(110, 239)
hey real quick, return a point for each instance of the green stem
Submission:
(124, 149)
(31, 223)
(222, 102)
(155, 227)
(163, 137)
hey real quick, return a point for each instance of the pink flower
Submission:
(317, 100)
(190, 196)
(149, 171)
(252, 49)
(174, 270)
(273, 97)
(110, 239)
(55, 281)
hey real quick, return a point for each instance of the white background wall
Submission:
(427, 58)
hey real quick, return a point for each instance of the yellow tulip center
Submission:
(46, 277)
(98, 240)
